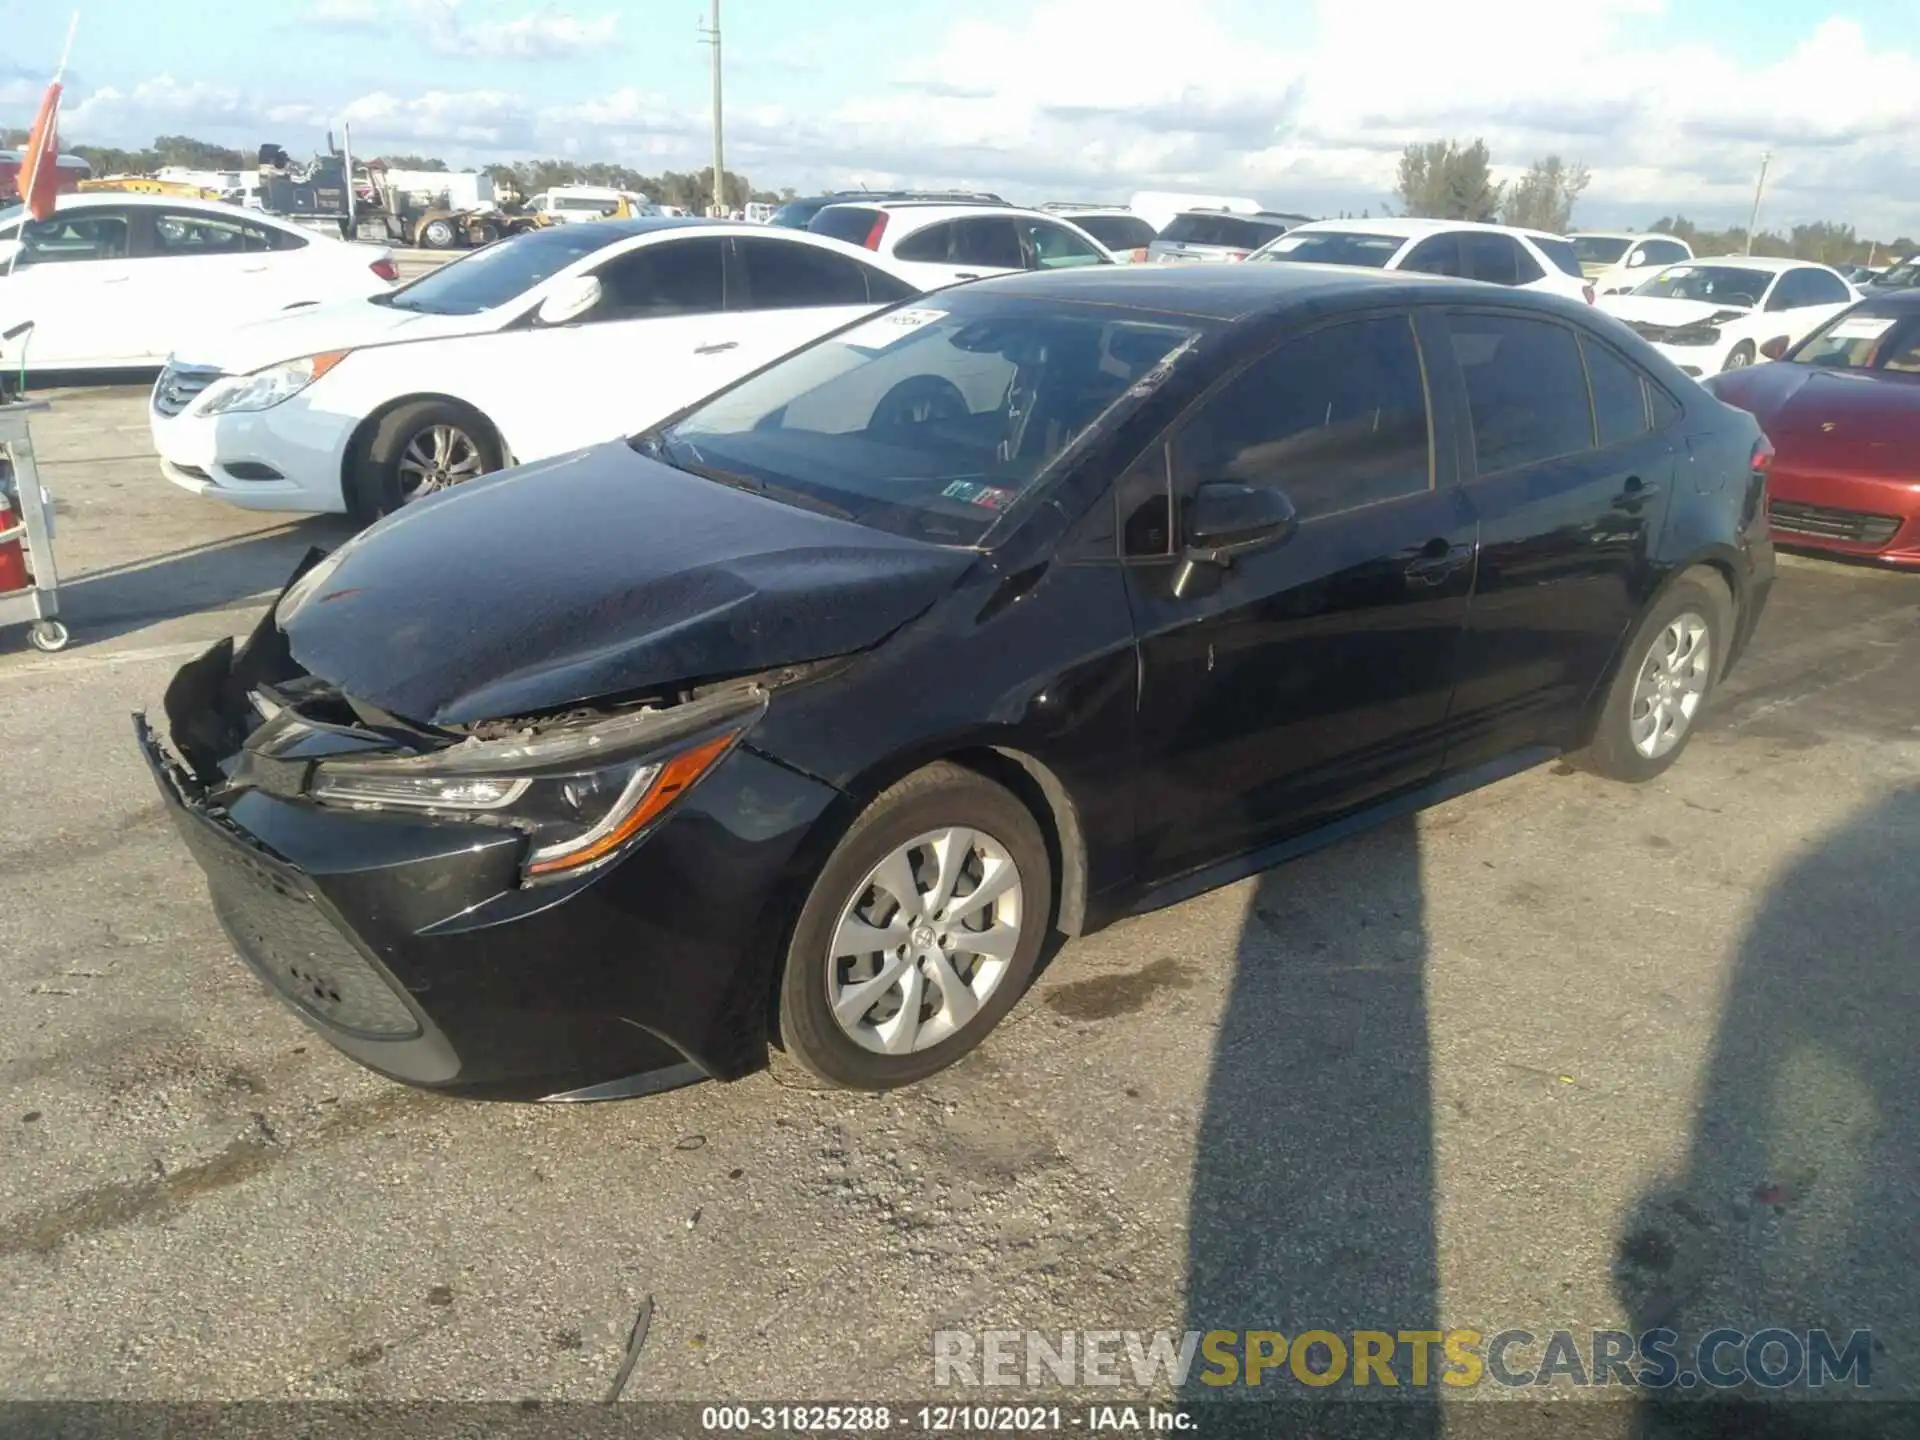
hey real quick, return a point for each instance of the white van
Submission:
(567, 203)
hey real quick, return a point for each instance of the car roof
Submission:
(1240, 292)
(1623, 235)
(1755, 262)
(1215, 210)
(1412, 227)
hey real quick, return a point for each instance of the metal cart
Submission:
(28, 522)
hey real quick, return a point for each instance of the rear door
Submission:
(783, 293)
(1570, 481)
(1316, 674)
(659, 339)
(73, 280)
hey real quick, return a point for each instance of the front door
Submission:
(73, 280)
(199, 272)
(1317, 674)
(1570, 481)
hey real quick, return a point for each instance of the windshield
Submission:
(927, 421)
(1232, 231)
(1901, 277)
(1721, 284)
(1601, 249)
(1335, 247)
(503, 270)
(796, 214)
(1865, 339)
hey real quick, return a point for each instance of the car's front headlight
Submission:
(583, 794)
(263, 389)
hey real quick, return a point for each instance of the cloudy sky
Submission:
(1303, 104)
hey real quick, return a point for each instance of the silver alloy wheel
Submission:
(924, 941)
(1672, 685)
(437, 457)
(1739, 359)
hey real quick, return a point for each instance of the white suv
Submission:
(935, 243)
(1618, 261)
(1498, 254)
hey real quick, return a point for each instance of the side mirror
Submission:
(569, 301)
(1638, 257)
(1225, 518)
(1776, 348)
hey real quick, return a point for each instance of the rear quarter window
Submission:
(1561, 252)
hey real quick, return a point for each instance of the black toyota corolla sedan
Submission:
(805, 718)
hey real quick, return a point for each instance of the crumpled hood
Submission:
(596, 574)
(1665, 310)
(316, 329)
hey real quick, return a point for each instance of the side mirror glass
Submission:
(1775, 348)
(1638, 257)
(569, 301)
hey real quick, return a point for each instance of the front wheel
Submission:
(1741, 357)
(1664, 682)
(418, 450)
(920, 934)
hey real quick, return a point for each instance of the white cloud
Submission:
(1102, 97)
(447, 27)
(345, 14)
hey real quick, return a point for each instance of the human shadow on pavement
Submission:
(1797, 1205)
(1313, 1185)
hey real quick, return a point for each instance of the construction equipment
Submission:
(430, 210)
(148, 185)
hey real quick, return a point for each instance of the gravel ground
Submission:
(1559, 1054)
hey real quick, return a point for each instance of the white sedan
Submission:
(1721, 314)
(534, 346)
(116, 281)
(1496, 254)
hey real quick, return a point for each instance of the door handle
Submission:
(966, 274)
(253, 269)
(1634, 492)
(716, 347)
(1433, 562)
(119, 279)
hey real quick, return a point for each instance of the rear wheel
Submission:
(921, 932)
(1661, 690)
(438, 235)
(417, 450)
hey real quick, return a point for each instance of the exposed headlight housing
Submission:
(264, 389)
(583, 794)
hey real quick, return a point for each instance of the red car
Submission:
(1842, 409)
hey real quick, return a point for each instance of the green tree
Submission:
(184, 150)
(1543, 198)
(417, 162)
(1442, 181)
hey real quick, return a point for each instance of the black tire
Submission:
(1612, 752)
(940, 797)
(438, 235)
(1739, 357)
(375, 485)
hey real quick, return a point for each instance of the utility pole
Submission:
(710, 35)
(1753, 220)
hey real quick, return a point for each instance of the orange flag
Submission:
(40, 162)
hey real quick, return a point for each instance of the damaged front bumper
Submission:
(413, 942)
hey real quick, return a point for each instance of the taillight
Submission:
(872, 242)
(1238, 254)
(386, 270)
(1762, 463)
(1587, 290)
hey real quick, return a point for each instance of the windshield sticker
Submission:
(884, 330)
(972, 492)
(1861, 327)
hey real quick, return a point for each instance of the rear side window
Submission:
(1118, 232)
(1665, 252)
(989, 241)
(1233, 231)
(679, 277)
(179, 233)
(1560, 253)
(1619, 394)
(1526, 388)
(1824, 288)
(851, 223)
(1336, 419)
(1492, 258)
(935, 244)
(786, 276)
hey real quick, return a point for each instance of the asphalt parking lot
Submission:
(1559, 1054)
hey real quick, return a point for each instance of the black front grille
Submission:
(1825, 523)
(1674, 334)
(179, 384)
(277, 924)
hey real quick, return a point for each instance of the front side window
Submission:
(1057, 248)
(929, 421)
(1864, 339)
(1665, 252)
(205, 235)
(1526, 389)
(72, 236)
(1435, 255)
(676, 277)
(787, 276)
(1824, 288)
(1336, 419)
